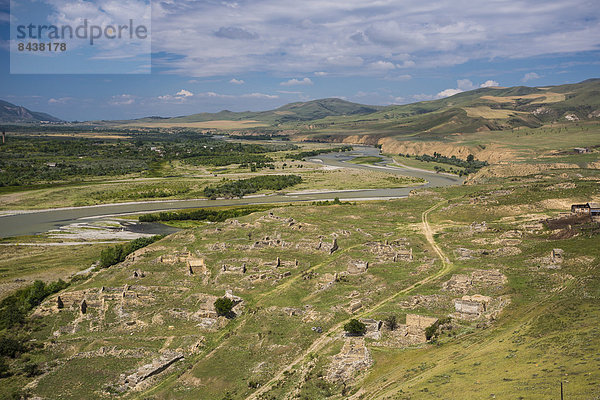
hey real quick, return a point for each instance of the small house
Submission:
(581, 150)
(592, 209)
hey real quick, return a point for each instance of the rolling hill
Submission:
(480, 110)
(293, 112)
(11, 113)
(486, 109)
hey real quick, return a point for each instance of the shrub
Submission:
(391, 322)
(116, 254)
(355, 327)
(11, 347)
(224, 305)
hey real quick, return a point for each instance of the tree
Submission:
(470, 158)
(355, 327)
(391, 322)
(224, 305)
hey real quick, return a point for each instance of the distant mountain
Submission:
(293, 112)
(10, 113)
(485, 109)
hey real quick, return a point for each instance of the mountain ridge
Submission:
(12, 113)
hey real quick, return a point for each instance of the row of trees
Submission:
(15, 307)
(242, 187)
(116, 254)
(470, 165)
(313, 153)
(201, 214)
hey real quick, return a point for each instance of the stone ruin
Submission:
(478, 227)
(132, 381)
(412, 332)
(328, 248)
(138, 273)
(196, 265)
(374, 328)
(472, 305)
(268, 241)
(479, 306)
(90, 305)
(353, 358)
(357, 267)
(425, 301)
(175, 258)
(327, 280)
(556, 255)
(553, 261)
(468, 254)
(395, 250)
(462, 283)
(354, 306)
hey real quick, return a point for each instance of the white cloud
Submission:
(464, 85)
(530, 76)
(448, 93)
(122, 100)
(341, 37)
(184, 93)
(407, 64)
(60, 100)
(382, 65)
(321, 73)
(260, 96)
(237, 81)
(295, 82)
(489, 83)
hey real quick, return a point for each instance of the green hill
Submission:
(483, 109)
(301, 111)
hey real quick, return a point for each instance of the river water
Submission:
(35, 222)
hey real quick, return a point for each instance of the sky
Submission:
(206, 56)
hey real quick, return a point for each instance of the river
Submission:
(40, 221)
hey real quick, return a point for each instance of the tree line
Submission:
(242, 187)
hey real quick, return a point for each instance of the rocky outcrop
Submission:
(144, 372)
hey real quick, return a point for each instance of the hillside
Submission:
(301, 111)
(514, 297)
(10, 113)
(486, 109)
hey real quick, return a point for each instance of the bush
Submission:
(31, 370)
(355, 327)
(432, 332)
(391, 322)
(116, 254)
(224, 305)
(14, 307)
(10, 347)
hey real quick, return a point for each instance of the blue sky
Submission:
(260, 54)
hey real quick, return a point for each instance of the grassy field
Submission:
(546, 333)
(20, 265)
(181, 181)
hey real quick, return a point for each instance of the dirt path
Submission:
(330, 335)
